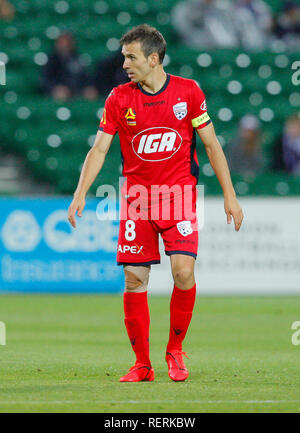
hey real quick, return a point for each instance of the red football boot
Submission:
(177, 370)
(139, 373)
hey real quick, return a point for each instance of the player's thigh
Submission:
(181, 237)
(181, 244)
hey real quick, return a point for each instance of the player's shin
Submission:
(137, 322)
(181, 310)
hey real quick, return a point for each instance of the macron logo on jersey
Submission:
(156, 144)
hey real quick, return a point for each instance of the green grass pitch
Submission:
(66, 354)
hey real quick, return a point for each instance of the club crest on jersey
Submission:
(185, 228)
(180, 110)
(130, 117)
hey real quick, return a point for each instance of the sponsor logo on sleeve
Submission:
(203, 106)
(103, 118)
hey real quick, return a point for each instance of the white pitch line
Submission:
(152, 401)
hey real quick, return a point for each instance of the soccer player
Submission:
(156, 115)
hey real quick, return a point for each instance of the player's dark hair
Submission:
(152, 41)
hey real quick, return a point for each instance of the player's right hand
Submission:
(77, 205)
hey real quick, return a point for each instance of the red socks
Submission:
(181, 310)
(137, 322)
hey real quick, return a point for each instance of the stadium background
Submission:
(49, 140)
(66, 353)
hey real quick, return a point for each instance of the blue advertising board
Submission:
(41, 252)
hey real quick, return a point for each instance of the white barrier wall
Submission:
(263, 257)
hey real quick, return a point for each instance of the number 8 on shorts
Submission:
(130, 233)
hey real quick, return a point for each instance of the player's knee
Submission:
(132, 282)
(183, 276)
(136, 278)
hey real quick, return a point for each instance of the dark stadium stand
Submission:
(54, 137)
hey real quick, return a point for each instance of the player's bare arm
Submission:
(219, 164)
(91, 167)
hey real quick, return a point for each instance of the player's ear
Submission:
(154, 60)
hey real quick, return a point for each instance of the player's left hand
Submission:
(233, 210)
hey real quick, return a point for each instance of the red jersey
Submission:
(156, 131)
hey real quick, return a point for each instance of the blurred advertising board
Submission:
(41, 252)
(262, 258)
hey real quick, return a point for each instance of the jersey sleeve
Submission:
(109, 120)
(199, 115)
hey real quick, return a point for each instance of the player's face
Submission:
(135, 63)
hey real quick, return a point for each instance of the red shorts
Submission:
(138, 237)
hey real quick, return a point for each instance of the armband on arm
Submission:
(201, 121)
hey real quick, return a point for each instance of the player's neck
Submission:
(155, 82)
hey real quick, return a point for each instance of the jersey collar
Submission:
(157, 93)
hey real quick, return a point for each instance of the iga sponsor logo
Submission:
(133, 249)
(156, 144)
